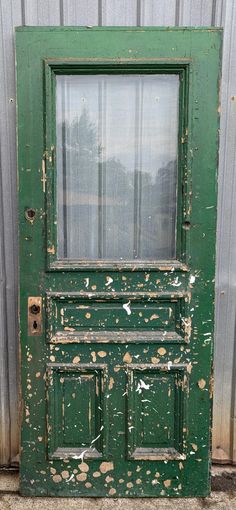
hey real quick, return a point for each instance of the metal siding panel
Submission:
(11, 15)
(5, 443)
(218, 13)
(224, 417)
(195, 12)
(82, 12)
(114, 12)
(158, 12)
(41, 12)
(119, 12)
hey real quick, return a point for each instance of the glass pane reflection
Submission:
(117, 138)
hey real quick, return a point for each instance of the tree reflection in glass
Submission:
(117, 138)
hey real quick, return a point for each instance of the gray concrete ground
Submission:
(223, 497)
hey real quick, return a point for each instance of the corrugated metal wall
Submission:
(120, 12)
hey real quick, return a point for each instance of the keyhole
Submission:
(35, 325)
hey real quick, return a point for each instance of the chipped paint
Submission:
(106, 466)
(65, 474)
(102, 354)
(94, 356)
(76, 359)
(161, 351)
(111, 383)
(127, 358)
(201, 384)
(83, 467)
(81, 477)
(96, 474)
(51, 250)
(109, 281)
(57, 478)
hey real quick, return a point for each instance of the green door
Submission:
(118, 139)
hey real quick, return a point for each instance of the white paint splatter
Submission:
(86, 282)
(69, 479)
(192, 278)
(81, 456)
(176, 282)
(96, 438)
(142, 386)
(109, 281)
(126, 307)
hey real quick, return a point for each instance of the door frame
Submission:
(54, 67)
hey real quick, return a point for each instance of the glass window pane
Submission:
(117, 140)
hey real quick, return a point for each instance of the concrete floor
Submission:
(223, 497)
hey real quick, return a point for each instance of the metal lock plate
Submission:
(34, 316)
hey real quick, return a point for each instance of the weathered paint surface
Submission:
(143, 426)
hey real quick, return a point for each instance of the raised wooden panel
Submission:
(117, 317)
(75, 411)
(156, 412)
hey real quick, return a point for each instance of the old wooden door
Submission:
(117, 134)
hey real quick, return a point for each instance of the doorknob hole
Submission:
(30, 214)
(34, 309)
